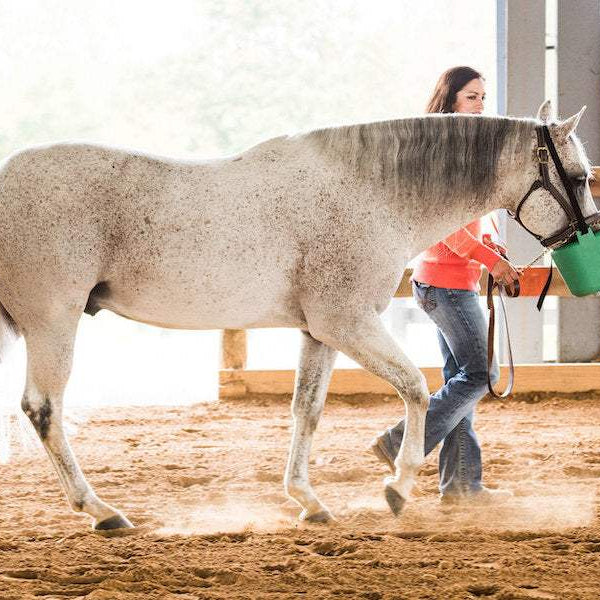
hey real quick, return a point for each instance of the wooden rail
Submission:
(532, 283)
(235, 380)
(559, 377)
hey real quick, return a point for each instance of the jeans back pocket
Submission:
(424, 294)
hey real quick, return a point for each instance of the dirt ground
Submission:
(204, 486)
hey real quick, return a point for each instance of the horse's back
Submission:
(230, 243)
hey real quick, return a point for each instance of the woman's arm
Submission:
(466, 245)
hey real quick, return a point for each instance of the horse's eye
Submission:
(579, 180)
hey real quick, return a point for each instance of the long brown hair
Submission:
(451, 81)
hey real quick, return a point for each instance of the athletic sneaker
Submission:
(382, 449)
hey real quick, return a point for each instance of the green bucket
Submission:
(579, 263)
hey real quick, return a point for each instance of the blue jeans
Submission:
(462, 334)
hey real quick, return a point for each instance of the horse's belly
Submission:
(239, 308)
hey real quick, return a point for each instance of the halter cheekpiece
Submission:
(577, 222)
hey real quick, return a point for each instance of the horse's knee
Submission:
(312, 420)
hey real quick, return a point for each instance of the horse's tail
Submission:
(10, 413)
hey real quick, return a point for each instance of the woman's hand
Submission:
(504, 273)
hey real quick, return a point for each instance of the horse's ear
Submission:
(545, 112)
(567, 127)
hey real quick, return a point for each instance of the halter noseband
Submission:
(577, 221)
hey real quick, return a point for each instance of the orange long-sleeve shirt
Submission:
(456, 261)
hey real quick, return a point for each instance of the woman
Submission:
(446, 285)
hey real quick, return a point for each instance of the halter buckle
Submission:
(542, 155)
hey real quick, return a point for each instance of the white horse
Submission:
(311, 231)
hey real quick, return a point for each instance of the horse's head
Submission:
(563, 173)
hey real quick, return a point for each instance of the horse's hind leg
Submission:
(49, 357)
(310, 389)
(365, 340)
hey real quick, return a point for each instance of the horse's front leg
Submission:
(364, 339)
(49, 355)
(312, 379)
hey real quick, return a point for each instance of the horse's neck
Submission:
(439, 217)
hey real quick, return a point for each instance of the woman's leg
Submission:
(463, 342)
(460, 454)
(460, 460)
(449, 368)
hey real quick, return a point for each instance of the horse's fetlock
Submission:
(409, 465)
(412, 466)
(84, 500)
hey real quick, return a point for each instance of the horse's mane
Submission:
(433, 154)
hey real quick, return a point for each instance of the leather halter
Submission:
(491, 285)
(577, 222)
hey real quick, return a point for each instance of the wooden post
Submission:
(233, 363)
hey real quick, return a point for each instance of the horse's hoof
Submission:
(394, 499)
(323, 516)
(114, 522)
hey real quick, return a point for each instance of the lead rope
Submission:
(491, 285)
(490, 347)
